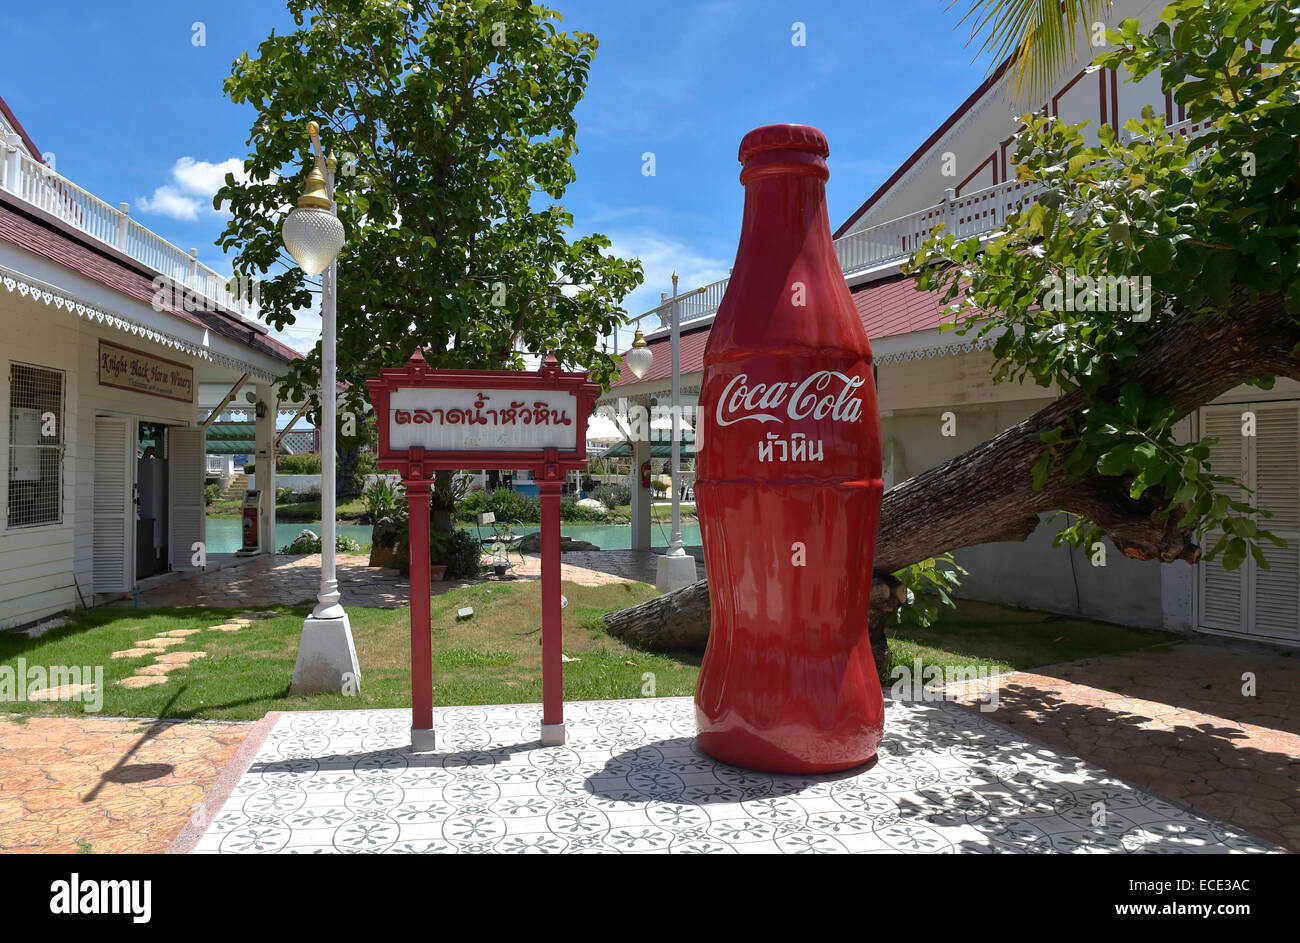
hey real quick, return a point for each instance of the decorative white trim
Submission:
(929, 353)
(28, 287)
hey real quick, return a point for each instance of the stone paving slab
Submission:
(632, 780)
(283, 580)
(116, 785)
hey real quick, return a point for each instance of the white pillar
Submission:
(265, 471)
(641, 498)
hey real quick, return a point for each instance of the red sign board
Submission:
(445, 420)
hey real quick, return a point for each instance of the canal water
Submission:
(225, 535)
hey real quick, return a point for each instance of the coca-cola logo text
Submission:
(826, 393)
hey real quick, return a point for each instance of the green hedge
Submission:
(527, 509)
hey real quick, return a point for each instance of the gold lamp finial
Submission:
(314, 193)
(313, 129)
(331, 163)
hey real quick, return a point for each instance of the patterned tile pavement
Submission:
(631, 779)
(115, 785)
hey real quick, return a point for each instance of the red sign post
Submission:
(433, 420)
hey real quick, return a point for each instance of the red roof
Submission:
(692, 354)
(42, 234)
(887, 307)
(894, 306)
(22, 132)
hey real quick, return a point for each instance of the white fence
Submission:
(34, 183)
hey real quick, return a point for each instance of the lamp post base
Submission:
(674, 572)
(327, 658)
(553, 735)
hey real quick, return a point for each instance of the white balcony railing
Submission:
(975, 214)
(34, 183)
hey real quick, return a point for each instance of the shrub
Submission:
(250, 468)
(211, 493)
(506, 505)
(385, 498)
(308, 542)
(573, 513)
(458, 551)
(304, 464)
(613, 496)
(284, 496)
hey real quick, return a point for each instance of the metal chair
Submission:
(501, 538)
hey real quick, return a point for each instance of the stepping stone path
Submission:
(165, 661)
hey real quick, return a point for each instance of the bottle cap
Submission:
(794, 137)
(784, 148)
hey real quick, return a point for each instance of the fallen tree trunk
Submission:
(986, 495)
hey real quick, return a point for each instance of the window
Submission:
(35, 446)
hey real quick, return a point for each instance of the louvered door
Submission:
(113, 541)
(186, 467)
(1224, 594)
(1276, 469)
(1254, 600)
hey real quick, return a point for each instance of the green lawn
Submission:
(999, 639)
(349, 509)
(493, 658)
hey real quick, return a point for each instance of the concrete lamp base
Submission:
(327, 659)
(423, 741)
(552, 735)
(674, 572)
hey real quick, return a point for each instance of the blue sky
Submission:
(133, 110)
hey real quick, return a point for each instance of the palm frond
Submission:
(1040, 34)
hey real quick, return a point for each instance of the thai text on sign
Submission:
(444, 419)
(135, 370)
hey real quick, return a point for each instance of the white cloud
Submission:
(204, 179)
(168, 201)
(194, 183)
(660, 256)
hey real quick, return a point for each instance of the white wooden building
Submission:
(99, 406)
(923, 374)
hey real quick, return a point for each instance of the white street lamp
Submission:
(327, 657)
(676, 568)
(639, 358)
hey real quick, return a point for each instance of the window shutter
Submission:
(1277, 489)
(114, 518)
(186, 466)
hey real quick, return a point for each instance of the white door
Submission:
(1254, 600)
(113, 550)
(186, 466)
(1276, 470)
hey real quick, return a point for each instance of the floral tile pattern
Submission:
(632, 780)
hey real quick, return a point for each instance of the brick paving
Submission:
(117, 785)
(1174, 719)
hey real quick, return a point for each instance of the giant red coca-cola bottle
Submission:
(788, 483)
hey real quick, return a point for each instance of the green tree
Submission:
(1040, 34)
(453, 125)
